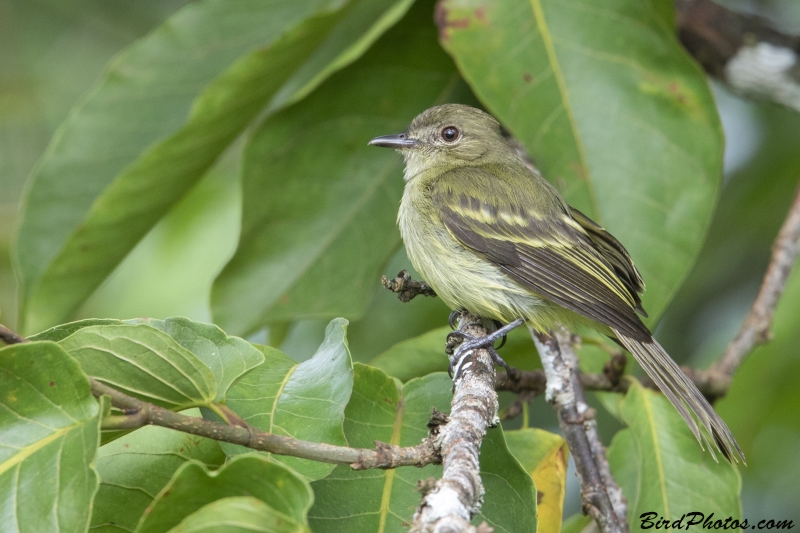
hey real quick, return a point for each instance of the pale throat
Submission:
(414, 164)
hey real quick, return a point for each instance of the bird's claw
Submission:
(453, 319)
(504, 338)
(469, 343)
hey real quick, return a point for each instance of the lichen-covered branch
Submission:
(602, 498)
(742, 50)
(456, 498)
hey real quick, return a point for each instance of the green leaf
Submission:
(133, 470)
(423, 355)
(144, 362)
(305, 401)
(242, 514)
(49, 433)
(578, 523)
(544, 456)
(384, 500)
(612, 109)
(227, 357)
(317, 229)
(415, 357)
(166, 108)
(61, 332)
(193, 486)
(510, 500)
(363, 23)
(661, 467)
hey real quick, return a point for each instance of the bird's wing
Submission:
(538, 244)
(615, 255)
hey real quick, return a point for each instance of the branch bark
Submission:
(456, 498)
(602, 498)
(743, 51)
(138, 413)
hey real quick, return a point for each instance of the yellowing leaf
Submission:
(544, 456)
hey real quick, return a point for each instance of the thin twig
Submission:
(755, 329)
(406, 288)
(602, 498)
(10, 337)
(534, 382)
(139, 413)
(454, 500)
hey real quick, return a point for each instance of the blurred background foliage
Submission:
(52, 53)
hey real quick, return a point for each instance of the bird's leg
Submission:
(471, 343)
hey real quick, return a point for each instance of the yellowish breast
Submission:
(462, 278)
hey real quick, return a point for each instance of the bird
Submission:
(492, 236)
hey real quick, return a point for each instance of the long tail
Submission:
(683, 394)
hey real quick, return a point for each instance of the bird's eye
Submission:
(450, 134)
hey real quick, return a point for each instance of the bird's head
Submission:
(448, 136)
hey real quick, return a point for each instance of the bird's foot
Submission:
(468, 343)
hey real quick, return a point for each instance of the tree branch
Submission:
(743, 51)
(456, 498)
(138, 413)
(602, 498)
(755, 329)
(534, 382)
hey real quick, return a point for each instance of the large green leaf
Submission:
(62, 331)
(193, 486)
(49, 433)
(612, 109)
(422, 355)
(661, 467)
(238, 514)
(384, 500)
(306, 401)
(226, 357)
(166, 108)
(143, 361)
(319, 210)
(134, 468)
(544, 456)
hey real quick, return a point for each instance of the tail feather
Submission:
(683, 394)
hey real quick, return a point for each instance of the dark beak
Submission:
(399, 141)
